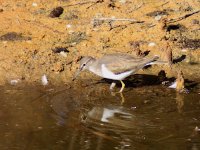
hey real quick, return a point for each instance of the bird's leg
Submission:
(122, 98)
(112, 86)
(123, 86)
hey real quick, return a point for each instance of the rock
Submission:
(56, 12)
(60, 49)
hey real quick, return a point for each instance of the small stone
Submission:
(56, 12)
(158, 17)
(184, 50)
(64, 54)
(40, 128)
(68, 25)
(60, 49)
(122, 1)
(133, 107)
(151, 44)
(34, 4)
(14, 82)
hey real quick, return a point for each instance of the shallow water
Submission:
(152, 117)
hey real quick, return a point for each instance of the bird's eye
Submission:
(84, 64)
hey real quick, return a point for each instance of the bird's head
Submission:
(85, 62)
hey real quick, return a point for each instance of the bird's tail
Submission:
(155, 60)
(151, 60)
(146, 62)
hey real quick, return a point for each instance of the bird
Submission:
(116, 66)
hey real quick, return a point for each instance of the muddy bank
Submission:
(37, 38)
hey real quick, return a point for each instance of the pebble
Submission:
(64, 54)
(158, 17)
(14, 82)
(122, 1)
(56, 12)
(60, 49)
(34, 4)
(68, 25)
(44, 80)
(151, 44)
(184, 50)
(40, 128)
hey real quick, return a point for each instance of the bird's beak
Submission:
(76, 74)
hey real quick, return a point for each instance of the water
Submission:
(151, 117)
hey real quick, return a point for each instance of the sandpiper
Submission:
(114, 66)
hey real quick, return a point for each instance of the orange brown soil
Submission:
(28, 36)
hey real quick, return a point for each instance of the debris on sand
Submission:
(44, 80)
(14, 81)
(152, 44)
(173, 85)
(13, 36)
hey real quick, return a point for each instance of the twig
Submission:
(183, 17)
(94, 3)
(117, 19)
(81, 3)
(164, 3)
(119, 26)
(98, 21)
(136, 8)
(44, 26)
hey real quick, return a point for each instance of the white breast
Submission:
(110, 75)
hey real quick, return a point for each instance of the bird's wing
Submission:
(118, 63)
